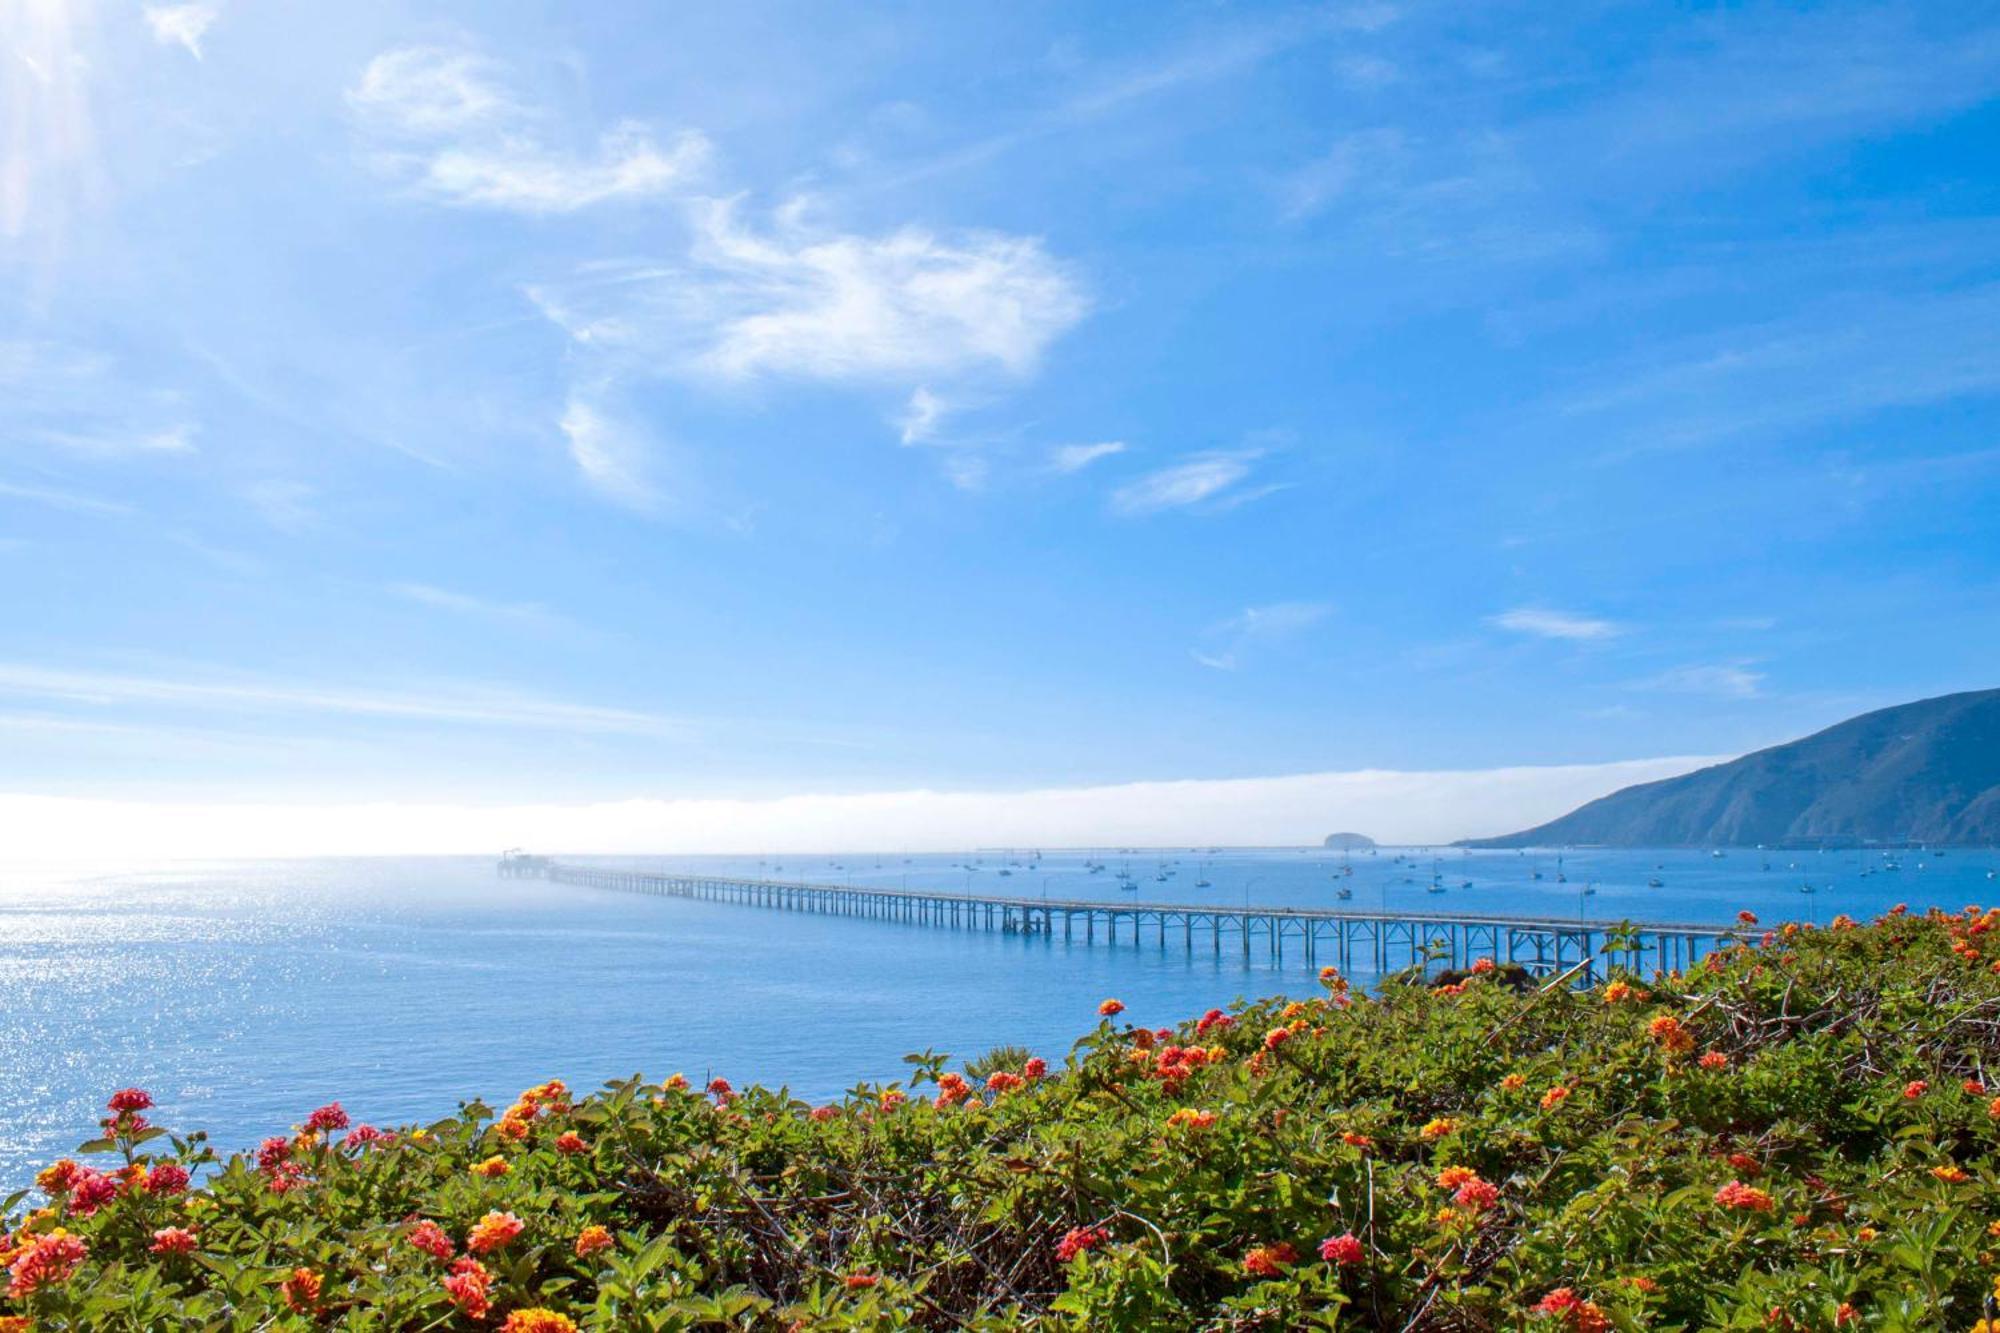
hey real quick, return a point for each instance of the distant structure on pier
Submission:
(1349, 842)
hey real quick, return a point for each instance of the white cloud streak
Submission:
(182, 25)
(1725, 680)
(443, 120)
(1226, 643)
(1544, 623)
(1184, 484)
(444, 599)
(471, 704)
(1392, 806)
(1068, 458)
(611, 454)
(69, 500)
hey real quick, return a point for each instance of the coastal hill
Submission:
(1919, 772)
(1348, 842)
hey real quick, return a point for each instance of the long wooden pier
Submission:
(1353, 941)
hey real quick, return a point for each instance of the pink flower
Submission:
(167, 1178)
(174, 1240)
(1342, 1251)
(328, 1117)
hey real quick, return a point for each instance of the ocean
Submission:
(243, 995)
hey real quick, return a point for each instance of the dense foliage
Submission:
(1797, 1134)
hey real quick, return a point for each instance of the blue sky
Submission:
(514, 402)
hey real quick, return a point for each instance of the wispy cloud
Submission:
(1842, 359)
(1224, 644)
(58, 499)
(1544, 623)
(182, 25)
(470, 704)
(285, 505)
(106, 442)
(612, 454)
(1727, 680)
(1192, 482)
(444, 599)
(1067, 458)
(443, 120)
(920, 416)
(802, 302)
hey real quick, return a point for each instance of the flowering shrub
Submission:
(1802, 1135)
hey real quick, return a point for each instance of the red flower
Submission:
(272, 1151)
(592, 1239)
(174, 1240)
(1713, 1060)
(469, 1286)
(1035, 1068)
(91, 1190)
(1574, 1312)
(1914, 1089)
(861, 1281)
(1269, 1260)
(569, 1143)
(1744, 1198)
(1111, 1008)
(1343, 1251)
(167, 1178)
(429, 1237)
(47, 1259)
(328, 1117)
(493, 1231)
(1214, 1018)
(1276, 1037)
(1000, 1081)
(127, 1100)
(1078, 1239)
(1747, 918)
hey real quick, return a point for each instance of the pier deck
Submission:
(1352, 940)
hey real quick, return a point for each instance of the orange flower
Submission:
(1573, 1312)
(493, 1231)
(1554, 1097)
(863, 1281)
(1713, 1060)
(16, 1323)
(569, 1143)
(1276, 1037)
(1914, 1089)
(1111, 1008)
(174, 1240)
(1476, 1195)
(1950, 1173)
(538, 1320)
(301, 1290)
(1513, 1082)
(892, 1099)
(1744, 1198)
(1190, 1118)
(1438, 1128)
(592, 1239)
(1616, 991)
(492, 1167)
(1672, 1037)
(1353, 1140)
(1269, 1260)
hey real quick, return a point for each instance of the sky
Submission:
(624, 422)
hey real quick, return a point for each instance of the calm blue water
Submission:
(245, 994)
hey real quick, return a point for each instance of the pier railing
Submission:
(1352, 940)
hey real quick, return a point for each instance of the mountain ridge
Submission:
(1926, 771)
